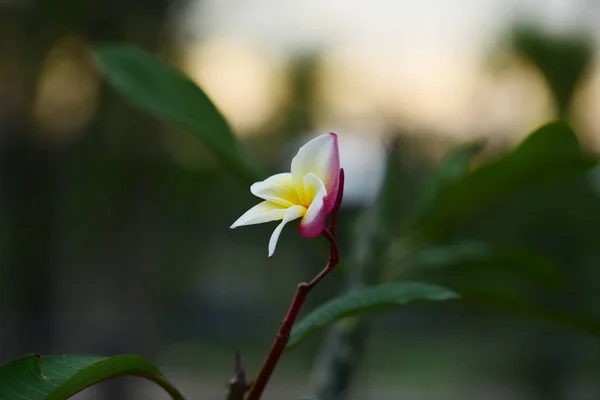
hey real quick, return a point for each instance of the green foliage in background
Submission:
(492, 275)
(161, 90)
(551, 152)
(488, 275)
(562, 59)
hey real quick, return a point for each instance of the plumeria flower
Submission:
(308, 191)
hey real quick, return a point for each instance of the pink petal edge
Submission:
(315, 227)
(329, 201)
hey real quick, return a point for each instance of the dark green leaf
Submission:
(473, 258)
(452, 167)
(551, 152)
(157, 88)
(34, 377)
(367, 299)
(510, 302)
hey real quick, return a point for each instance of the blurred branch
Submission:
(345, 342)
(342, 349)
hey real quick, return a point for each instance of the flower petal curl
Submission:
(262, 212)
(321, 157)
(291, 214)
(314, 220)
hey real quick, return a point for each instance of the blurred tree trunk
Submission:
(29, 174)
(345, 344)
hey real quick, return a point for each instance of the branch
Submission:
(344, 345)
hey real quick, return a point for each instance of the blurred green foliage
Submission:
(162, 91)
(563, 60)
(517, 234)
(429, 239)
(551, 152)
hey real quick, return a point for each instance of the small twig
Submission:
(283, 335)
(238, 386)
(333, 259)
(239, 373)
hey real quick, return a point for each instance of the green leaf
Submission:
(551, 152)
(34, 377)
(366, 299)
(161, 90)
(474, 259)
(452, 167)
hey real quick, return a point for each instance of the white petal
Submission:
(279, 189)
(320, 156)
(262, 212)
(314, 220)
(290, 214)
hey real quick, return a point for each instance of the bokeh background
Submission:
(113, 225)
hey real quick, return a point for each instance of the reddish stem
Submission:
(281, 341)
(338, 202)
(283, 335)
(333, 259)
